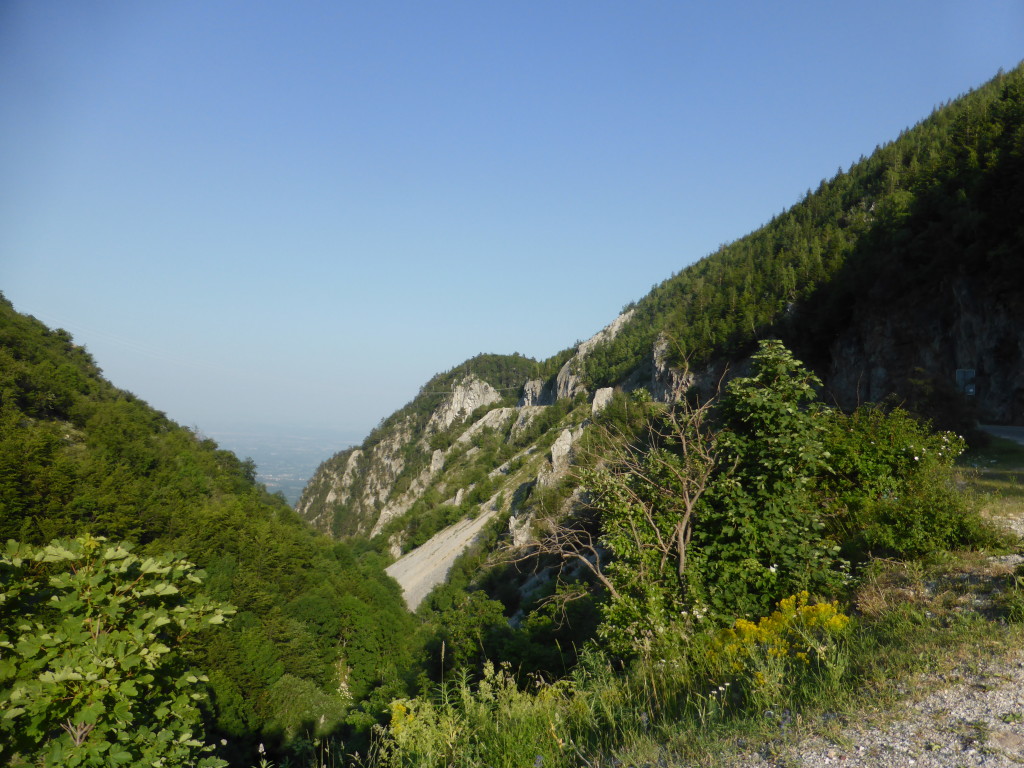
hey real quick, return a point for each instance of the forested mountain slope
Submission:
(886, 279)
(319, 629)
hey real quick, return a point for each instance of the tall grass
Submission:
(691, 686)
(694, 700)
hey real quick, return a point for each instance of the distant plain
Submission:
(285, 460)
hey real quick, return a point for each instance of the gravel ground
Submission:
(971, 716)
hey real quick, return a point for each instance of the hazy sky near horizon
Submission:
(291, 215)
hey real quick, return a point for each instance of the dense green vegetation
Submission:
(320, 632)
(795, 496)
(93, 666)
(942, 200)
(902, 242)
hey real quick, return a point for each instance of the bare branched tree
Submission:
(663, 479)
(659, 476)
(572, 541)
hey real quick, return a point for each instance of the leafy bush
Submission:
(891, 489)
(90, 668)
(763, 536)
(709, 524)
(929, 515)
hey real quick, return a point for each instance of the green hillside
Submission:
(320, 629)
(885, 279)
(943, 200)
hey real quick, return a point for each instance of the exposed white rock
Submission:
(465, 398)
(399, 506)
(490, 420)
(668, 384)
(427, 566)
(395, 545)
(436, 461)
(602, 397)
(521, 529)
(560, 452)
(560, 458)
(607, 333)
(339, 491)
(535, 393)
(526, 414)
(388, 462)
(568, 382)
(350, 467)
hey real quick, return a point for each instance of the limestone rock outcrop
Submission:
(466, 397)
(568, 382)
(490, 420)
(607, 333)
(668, 384)
(601, 399)
(536, 392)
(361, 480)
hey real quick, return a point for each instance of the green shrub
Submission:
(1012, 599)
(494, 724)
(90, 670)
(929, 515)
(707, 524)
(892, 489)
(763, 536)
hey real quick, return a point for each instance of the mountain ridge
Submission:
(887, 279)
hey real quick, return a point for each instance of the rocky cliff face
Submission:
(569, 381)
(965, 323)
(480, 469)
(468, 395)
(361, 480)
(430, 488)
(472, 460)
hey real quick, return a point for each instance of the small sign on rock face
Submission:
(966, 380)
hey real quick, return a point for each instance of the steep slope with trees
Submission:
(887, 279)
(319, 629)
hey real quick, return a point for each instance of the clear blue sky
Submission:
(293, 214)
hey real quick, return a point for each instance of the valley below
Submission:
(285, 459)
